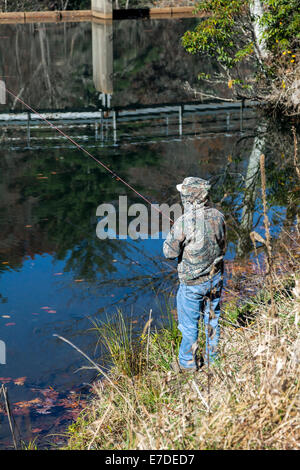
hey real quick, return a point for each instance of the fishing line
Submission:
(114, 175)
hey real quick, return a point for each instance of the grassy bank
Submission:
(249, 400)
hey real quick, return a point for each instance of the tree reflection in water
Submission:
(62, 195)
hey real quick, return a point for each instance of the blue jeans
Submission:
(192, 302)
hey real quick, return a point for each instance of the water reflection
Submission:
(125, 58)
(49, 202)
(103, 56)
(55, 273)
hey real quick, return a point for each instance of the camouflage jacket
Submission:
(198, 237)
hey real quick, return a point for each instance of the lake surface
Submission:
(123, 92)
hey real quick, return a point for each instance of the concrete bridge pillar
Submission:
(102, 9)
(102, 43)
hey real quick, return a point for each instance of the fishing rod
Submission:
(99, 162)
(114, 175)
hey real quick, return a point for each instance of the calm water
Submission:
(121, 91)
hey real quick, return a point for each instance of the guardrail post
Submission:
(2, 92)
(180, 119)
(115, 126)
(28, 128)
(228, 121)
(242, 116)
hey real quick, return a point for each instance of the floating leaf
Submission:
(20, 381)
(5, 380)
(27, 404)
(49, 393)
(45, 410)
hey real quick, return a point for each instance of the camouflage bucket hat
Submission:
(194, 189)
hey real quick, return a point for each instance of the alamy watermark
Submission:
(141, 221)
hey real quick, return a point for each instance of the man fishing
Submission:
(198, 240)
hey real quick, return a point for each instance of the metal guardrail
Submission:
(109, 124)
(125, 113)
